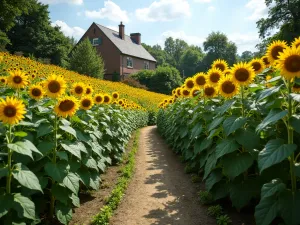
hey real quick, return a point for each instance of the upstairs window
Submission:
(146, 65)
(129, 62)
(96, 41)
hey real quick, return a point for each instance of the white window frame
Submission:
(95, 39)
(129, 65)
(146, 65)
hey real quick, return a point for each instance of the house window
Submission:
(129, 62)
(96, 41)
(146, 65)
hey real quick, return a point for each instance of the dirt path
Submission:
(160, 193)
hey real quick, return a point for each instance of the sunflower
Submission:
(195, 91)
(274, 49)
(227, 72)
(214, 75)
(12, 110)
(106, 99)
(17, 79)
(120, 102)
(258, 65)
(189, 83)
(220, 64)
(296, 43)
(227, 87)
(209, 91)
(98, 99)
(36, 92)
(115, 95)
(89, 90)
(178, 91)
(3, 80)
(200, 79)
(66, 106)
(86, 102)
(242, 73)
(185, 92)
(55, 86)
(289, 63)
(266, 61)
(78, 89)
(296, 88)
(267, 79)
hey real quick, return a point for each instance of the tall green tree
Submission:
(190, 60)
(157, 52)
(85, 60)
(246, 56)
(174, 50)
(282, 14)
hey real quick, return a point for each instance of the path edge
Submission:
(117, 194)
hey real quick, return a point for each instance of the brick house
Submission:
(122, 54)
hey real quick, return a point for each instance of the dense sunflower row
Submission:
(239, 127)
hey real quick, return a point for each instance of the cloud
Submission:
(258, 8)
(190, 39)
(164, 10)
(211, 8)
(110, 11)
(115, 28)
(202, 1)
(50, 2)
(76, 32)
(245, 41)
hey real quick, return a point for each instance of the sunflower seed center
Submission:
(215, 77)
(10, 111)
(275, 51)
(98, 99)
(200, 80)
(36, 92)
(78, 90)
(66, 105)
(256, 66)
(54, 86)
(292, 63)
(209, 91)
(228, 87)
(242, 75)
(17, 79)
(86, 103)
(190, 84)
(220, 67)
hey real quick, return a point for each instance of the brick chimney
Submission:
(136, 37)
(122, 30)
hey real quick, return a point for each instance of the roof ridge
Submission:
(110, 29)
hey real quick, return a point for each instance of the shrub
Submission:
(134, 83)
(224, 220)
(205, 197)
(215, 211)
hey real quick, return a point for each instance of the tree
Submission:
(246, 56)
(174, 50)
(85, 60)
(190, 59)
(157, 52)
(282, 14)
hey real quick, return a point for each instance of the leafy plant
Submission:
(224, 220)
(215, 211)
(205, 197)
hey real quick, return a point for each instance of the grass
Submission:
(114, 199)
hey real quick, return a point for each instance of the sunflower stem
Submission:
(291, 138)
(242, 101)
(9, 153)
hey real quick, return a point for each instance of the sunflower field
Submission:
(58, 132)
(240, 128)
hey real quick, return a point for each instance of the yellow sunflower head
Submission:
(296, 43)
(296, 88)
(3, 80)
(106, 99)
(227, 73)
(120, 102)
(189, 83)
(185, 92)
(289, 63)
(17, 79)
(173, 92)
(213, 76)
(66, 106)
(195, 91)
(36, 92)
(12, 110)
(89, 90)
(86, 102)
(258, 65)
(200, 79)
(78, 89)
(267, 79)
(209, 91)
(228, 88)
(178, 91)
(220, 64)
(242, 73)
(115, 95)
(266, 61)
(98, 99)
(55, 86)
(274, 49)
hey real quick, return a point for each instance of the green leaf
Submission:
(220, 190)
(20, 134)
(3, 172)
(269, 189)
(44, 129)
(90, 163)
(62, 155)
(289, 205)
(226, 146)
(227, 105)
(295, 122)
(20, 148)
(45, 147)
(235, 164)
(25, 177)
(69, 130)
(82, 136)
(101, 166)
(295, 97)
(24, 206)
(216, 122)
(56, 171)
(6, 204)
(233, 123)
(213, 178)
(73, 148)
(266, 211)
(61, 193)
(247, 138)
(273, 116)
(183, 131)
(274, 152)
(63, 213)
(84, 176)
(210, 164)
(268, 92)
(75, 200)
(196, 130)
(95, 180)
(71, 181)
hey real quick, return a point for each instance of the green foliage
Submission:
(85, 60)
(152, 117)
(215, 211)
(224, 220)
(196, 178)
(190, 60)
(157, 52)
(205, 197)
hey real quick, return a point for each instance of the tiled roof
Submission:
(126, 46)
